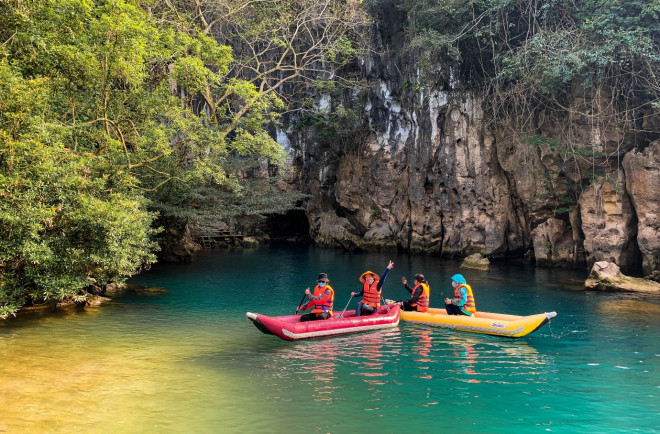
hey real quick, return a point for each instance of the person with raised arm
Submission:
(419, 294)
(372, 286)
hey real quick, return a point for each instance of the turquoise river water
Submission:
(186, 360)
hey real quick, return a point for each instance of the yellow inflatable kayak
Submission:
(497, 324)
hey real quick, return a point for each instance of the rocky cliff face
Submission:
(643, 185)
(435, 177)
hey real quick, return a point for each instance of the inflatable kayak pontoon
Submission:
(290, 328)
(497, 324)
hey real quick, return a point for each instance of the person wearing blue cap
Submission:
(463, 301)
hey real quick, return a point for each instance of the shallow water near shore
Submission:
(187, 359)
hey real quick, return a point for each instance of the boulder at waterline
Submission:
(606, 276)
(476, 262)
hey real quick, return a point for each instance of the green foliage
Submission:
(376, 213)
(66, 220)
(586, 153)
(591, 64)
(191, 73)
(242, 206)
(342, 50)
(585, 43)
(531, 52)
(556, 41)
(538, 140)
(337, 128)
(100, 132)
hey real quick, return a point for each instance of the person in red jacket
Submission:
(321, 301)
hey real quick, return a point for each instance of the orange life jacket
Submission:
(371, 296)
(469, 305)
(323, 304)
(422, 304)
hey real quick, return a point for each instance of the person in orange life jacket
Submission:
(420, 294)
(320, 301)
(463, 301)
(371, 287)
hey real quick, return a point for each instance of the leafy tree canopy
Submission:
(115, 111)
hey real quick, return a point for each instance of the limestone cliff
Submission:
(435, 176)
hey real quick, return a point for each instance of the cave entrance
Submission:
(291, 227)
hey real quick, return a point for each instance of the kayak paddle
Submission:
(301, 302)
(342, 312)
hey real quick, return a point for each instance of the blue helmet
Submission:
(458, 278)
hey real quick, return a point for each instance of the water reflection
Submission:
(477, 359)
(372, 363)
(422, 348)
(426, 354)
(624, 310)
(466, 357)
(316, 362)
(322, 371)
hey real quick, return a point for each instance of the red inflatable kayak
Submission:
(290, 328)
